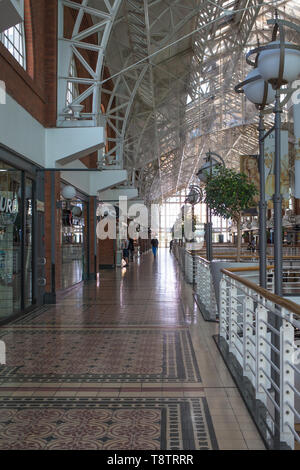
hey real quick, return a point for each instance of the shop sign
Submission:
(8, 208)
(6, 205)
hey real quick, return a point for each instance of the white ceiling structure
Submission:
(173, 65)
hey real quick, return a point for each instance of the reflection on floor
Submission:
(72, 273)
(125, 363)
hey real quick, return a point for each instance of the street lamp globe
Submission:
(208, 166)
(202, 173)
(269, 63)
(69, 192)
(255, 90)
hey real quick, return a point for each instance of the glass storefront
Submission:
(74, 253)
(16, 258)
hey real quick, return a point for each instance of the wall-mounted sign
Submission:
(40, 206)
(269, 167)
(249, 166)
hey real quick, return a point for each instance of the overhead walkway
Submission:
(123, 363)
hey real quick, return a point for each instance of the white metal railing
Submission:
(260, 330)
(204, 288)
(293, 250)
(197, 272)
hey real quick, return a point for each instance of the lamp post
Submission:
(278, 63)
(212, 160)
(260, 93)
(194, 197)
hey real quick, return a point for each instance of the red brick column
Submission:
(93, 242)
(106, 253)
(48, 235)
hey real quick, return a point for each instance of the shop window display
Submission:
(10, 241)
(73, 248)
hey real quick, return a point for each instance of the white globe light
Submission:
(255, 90)
(76, 211)
(69, 192)
(269, 60)
(205, 169)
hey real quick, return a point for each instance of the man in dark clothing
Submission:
(131, 248)
(154, 243)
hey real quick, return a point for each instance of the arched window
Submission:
(14, 40)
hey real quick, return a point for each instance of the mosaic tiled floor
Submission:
(122, 363)
(87, 315)
(92, 355)
(109, 424)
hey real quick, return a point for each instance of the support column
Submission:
(52, 236)
(277, 200)
(262, 208)
(93, 255)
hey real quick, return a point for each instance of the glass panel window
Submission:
(14, 40)
(74, 246)
(72, 88)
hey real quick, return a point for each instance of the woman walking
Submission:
(154, 243)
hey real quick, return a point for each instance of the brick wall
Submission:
(35, 88)
(106, 252)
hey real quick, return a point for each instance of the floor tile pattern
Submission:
(78, 355)
(124, 362)
(87, 315)
(109, 424)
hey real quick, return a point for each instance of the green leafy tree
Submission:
(228, 193)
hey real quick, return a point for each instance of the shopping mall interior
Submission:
(149, 225)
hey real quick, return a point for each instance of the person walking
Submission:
(171, 246)
(154, 243)
(125, 249)
(131, 248)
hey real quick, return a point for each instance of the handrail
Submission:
(247, 268)
(287, 304)
(231, 256)
(204, 260)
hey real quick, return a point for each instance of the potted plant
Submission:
(228, 193)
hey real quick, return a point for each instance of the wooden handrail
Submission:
(254, 256)
(287, 304)
(247, 268)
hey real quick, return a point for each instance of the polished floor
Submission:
(123, 363)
